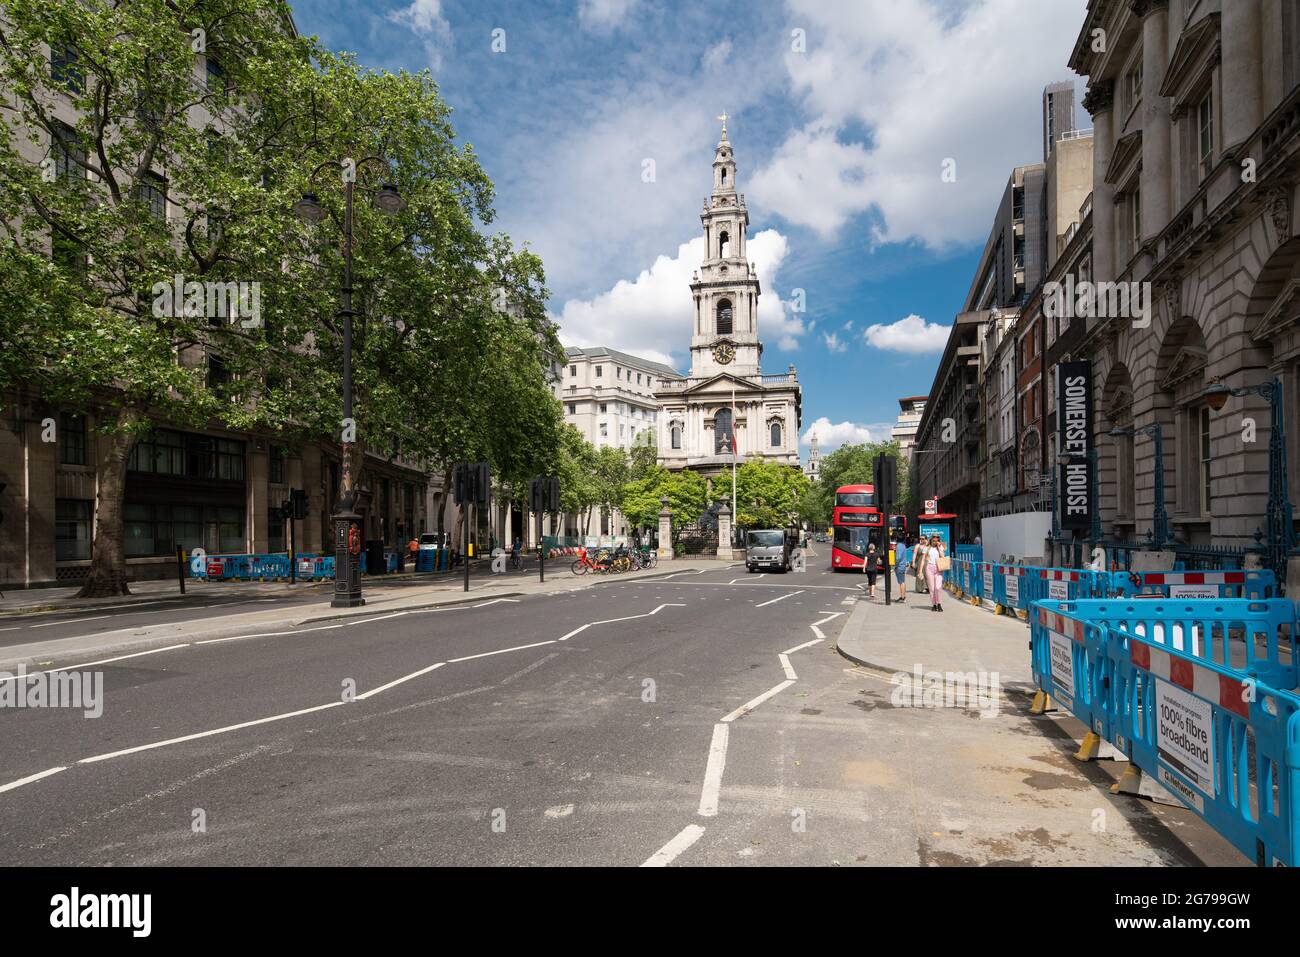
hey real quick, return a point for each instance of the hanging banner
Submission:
(1074, 411)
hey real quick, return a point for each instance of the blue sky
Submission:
(843, 113)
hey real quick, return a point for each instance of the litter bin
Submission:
(375, 561)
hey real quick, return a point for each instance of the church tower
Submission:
(725, 288)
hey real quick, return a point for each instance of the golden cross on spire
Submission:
(723, 117)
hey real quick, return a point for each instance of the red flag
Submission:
(734, 449)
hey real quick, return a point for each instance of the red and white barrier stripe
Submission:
(1070, 628)
(1012, 569)
(1056, 574)
(1199, 680)
(1192, 578)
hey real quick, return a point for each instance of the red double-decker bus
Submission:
(856, 523)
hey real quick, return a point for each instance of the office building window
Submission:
(573, 371)
(67, 153)
(72, 439)
(1204, 417)
(65, 69)
(275, 537)
(677, 436)
(573, 409)
(152, 192)
(72, 529)
(153, 530)
(1205, 135)
(600, 372)
(275, 465)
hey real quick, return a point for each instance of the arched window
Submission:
(722, 432)
(677, 436)
(776, 435)
(724, 317)
(724, 244)
(724, 176)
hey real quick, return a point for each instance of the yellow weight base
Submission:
(1129, 781)
(1042, 703)
(1089, 747)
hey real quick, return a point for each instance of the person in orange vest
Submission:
(413, 546)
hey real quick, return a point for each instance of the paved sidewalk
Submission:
(988, 783)
(385, 596)
(959, 638)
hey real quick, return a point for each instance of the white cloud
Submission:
(831, 435)
(717, 55)
(834, 343)
(604, 14)
(927, 84)
(425, 17)
(650, 315)
(911, 334)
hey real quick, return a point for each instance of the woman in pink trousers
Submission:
(934, 577)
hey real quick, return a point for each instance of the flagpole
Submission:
(734, 507)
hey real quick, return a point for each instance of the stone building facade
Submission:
(1196, 110)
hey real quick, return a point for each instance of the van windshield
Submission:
(767, 538)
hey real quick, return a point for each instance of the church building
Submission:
(726, 409)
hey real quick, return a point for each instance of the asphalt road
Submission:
(570, 728)
(693, 717)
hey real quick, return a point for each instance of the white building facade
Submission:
(725, 410)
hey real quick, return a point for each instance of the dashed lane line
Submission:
(674, 848)
(92, 664)
(775, 600)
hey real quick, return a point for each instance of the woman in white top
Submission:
(930, 556)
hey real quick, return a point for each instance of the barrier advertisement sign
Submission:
(1062, 667)
(1185, 734)
(1193, 591)
(1058, 590)
(1013, 589)
(988, 581)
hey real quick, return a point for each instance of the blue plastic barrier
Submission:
(1198, 693)
(1064, 584)
(971, 553)
(1011, 596)
(1255, 583)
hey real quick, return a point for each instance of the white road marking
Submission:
(207, 734)
(785, 663)
(29, 779)
(560, 810)
(102, 661)
(501, 651)
(822, 621)
(742, 582)
(302, 631)
(713, 771)
(609, 621)
(806, 644)
(676, 847)
(397, 681)
(72, 621)
(751, 705)
(11, 628)
(496, 601)
(775, 600)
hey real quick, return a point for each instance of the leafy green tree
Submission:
(850, 465)
(766, 494)
(127, 194)
(687, 492)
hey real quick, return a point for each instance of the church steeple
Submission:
(726, 288)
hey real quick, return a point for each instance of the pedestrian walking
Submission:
(902, 557)
(935, 565)
(413, 546)
(871, 566)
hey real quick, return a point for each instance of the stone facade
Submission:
(1197, 137)
(726, 396)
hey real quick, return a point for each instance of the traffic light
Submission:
(535, 494)
(553, 494)
(471, 482)
(886, 479)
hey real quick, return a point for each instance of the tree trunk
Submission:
(108, 554)
(446, 494)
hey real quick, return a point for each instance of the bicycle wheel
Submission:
(652, 559)
(579, 567)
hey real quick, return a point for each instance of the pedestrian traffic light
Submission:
(459, 483)
(482, 483)
(298, 503)
(886, 479)
(535, 494)
(471, 482)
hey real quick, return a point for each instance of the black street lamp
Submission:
(347, 532)
(1280, 518)
(1160, 516)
